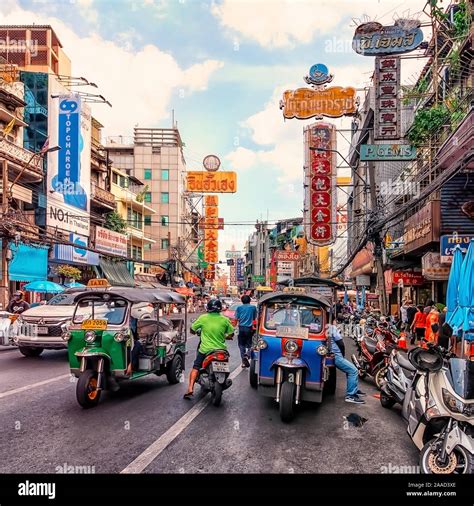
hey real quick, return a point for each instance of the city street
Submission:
(43, 427)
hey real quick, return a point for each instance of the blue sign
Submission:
(449, 242)
(67, 181)
(374, 39)
(239, 270)
(318, 75)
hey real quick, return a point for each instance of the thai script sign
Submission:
(333, 102)
(110, 242)
(449, 242)
(387, 152)
(286, 256)
(408, 278)
(374, 39)
(320, 183)
(233, 254)
(211, 182)
(387, 103)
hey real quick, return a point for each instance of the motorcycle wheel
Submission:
(362, 373)
(253, 378)
(380, 377)
(386, 401)
(460, 461)
(216, 394)
(287, 398)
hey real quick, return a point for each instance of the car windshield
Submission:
(291, 315)
(113, 311)
(62, 299)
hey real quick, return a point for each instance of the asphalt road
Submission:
(148, 427)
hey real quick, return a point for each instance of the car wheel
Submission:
(30, 352)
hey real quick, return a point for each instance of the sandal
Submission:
(188, 396)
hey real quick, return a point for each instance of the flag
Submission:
(8, 128)
(45, 146)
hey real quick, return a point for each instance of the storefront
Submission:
(84, 260)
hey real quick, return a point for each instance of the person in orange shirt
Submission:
(418, 326)
(432, 320)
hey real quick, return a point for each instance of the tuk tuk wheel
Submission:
(287, 398)
(330, 384)
(253, 378)
(175, 370)
(30, 352)
(86, 389)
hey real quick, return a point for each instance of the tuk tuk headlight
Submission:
(322, 350)
(89, 336)
(291, 346)
(261, 344)
(120, 337)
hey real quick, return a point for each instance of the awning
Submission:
(29, 263)
(65, 253)
(116, 273)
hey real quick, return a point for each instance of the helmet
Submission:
(214, 306)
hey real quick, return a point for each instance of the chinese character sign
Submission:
(320, 183)
(387, 103)
(211, 233)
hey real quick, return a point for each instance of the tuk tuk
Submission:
(105, 325)
(290, 358)
(262, 290)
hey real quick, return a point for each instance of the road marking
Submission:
(34, 385)
(150, 454)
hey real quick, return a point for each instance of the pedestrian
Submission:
(403, 311)
(445, 331)
(245, 315)
(339, 309)
(411, 312)
(418, 325)
(18, 303)
(337, 347)
(432, 325)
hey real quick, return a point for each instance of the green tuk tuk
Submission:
(107, 323)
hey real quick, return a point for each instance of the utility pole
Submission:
(377, 241)
(4, 266)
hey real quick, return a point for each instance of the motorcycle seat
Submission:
(371, 344)
(404, 362)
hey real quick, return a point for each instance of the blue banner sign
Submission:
(449, 242)
(387, 152)
(374, 39)
(239, 270)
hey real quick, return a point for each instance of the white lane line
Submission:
(150, 454)
(34, 385)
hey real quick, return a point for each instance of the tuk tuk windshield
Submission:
(294, 315)
(113, 311)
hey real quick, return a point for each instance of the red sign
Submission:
(286, 256)
(320, 183)
(408, 278)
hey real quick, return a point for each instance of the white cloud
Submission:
(281, 23)
(88, 12)
(139, 84)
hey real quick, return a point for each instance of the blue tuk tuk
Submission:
(291, 361)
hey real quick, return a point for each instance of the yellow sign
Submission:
(211, 200)
(211, 235)
(332, 102)
(212, 212)
(94, 325)
(211, 182)
(98, 283)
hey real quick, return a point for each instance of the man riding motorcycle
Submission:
(215, 329)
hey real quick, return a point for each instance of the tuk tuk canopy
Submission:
(298, 298)
(136, 295)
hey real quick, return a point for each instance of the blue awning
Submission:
(29, 263)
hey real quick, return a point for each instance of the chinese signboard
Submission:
(320, 182)
(374, 39)
(432, 269)
(387, 152)
(449, 242)
(211, 182)
(387, 104)
(304, 103)
(110, 242)
(408, 278)
(211, 234)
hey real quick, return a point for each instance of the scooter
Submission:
(7, 328)
(398, 378)
(439, 409)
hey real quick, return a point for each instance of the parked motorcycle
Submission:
(439, 409)
(398, 378)
(373, 350)
(7, 321)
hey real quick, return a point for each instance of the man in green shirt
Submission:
(215, 329)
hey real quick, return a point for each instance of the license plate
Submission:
(94, 325)
(220, 367)
(43, 330)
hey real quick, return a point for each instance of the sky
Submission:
(222, 66)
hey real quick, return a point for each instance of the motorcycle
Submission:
(7, 327)
(373, 350)
(439, 409)
(398, 378)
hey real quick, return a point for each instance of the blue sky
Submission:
(222, 67)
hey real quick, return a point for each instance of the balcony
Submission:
(21, 161)
(102, 197)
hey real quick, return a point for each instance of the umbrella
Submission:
(346, 296)
(452, 294)
(466, 288)
(75, 284)
(43, 287)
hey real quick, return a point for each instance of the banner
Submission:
(211, 234)
(239, 269)
(68, 176)
(110, 242)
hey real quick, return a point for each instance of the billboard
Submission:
(320, 184)
(68, 177)
(110, 242)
